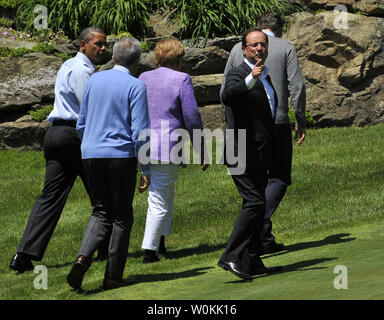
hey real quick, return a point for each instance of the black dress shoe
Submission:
(76, 275)
(233, 268)
(109, 284)
(150, 256)
(273, 248)
(265, 270)
(21, 263)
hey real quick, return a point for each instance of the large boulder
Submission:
(23, 134)
(368, 7)
(207, 88)
(27, 81)
(343, 67)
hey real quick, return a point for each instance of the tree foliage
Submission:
(196, 18)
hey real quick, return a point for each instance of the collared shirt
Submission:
(121, 68)
(250, 82)
(268, 33)
(69, 88)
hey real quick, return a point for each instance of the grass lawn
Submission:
(331, 216)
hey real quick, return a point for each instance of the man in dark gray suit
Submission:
(285, 73)
(249, 95)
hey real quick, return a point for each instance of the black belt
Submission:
(61, 122)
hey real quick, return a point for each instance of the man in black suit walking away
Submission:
(251, 101)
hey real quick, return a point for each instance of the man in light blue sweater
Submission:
(113, 113)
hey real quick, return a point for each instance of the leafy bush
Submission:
(197, 18)
(4, 22)
(9, 3)
(15, 52)
(62, 55)
(44, 48)
(19, 52)
(209, 19)
(41, 114)
(4, 52)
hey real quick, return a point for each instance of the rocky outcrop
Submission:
(22, 134)
(343, 67)
(27, 81)
(367, 7)
(342, 63)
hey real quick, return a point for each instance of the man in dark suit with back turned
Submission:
(287, 79)
(251, 100)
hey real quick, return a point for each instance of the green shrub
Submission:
(197, 18)
(19, 52)
(44, 47)
(4, 52)
(62, 55)
(9, 3)
(209, 19)
(41, 114)
(292, 118)
(14, 52)
(4, 22)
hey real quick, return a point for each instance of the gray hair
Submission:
(87, 33)
(126, 51)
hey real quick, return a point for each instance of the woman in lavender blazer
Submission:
(172, 106)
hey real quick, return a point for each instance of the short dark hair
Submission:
(271, 20)
(245, 34)
(87, 33)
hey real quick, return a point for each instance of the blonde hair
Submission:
(168, 52)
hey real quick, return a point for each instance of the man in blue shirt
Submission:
(61, 149)
(113, 113)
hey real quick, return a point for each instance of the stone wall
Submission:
(341, 55)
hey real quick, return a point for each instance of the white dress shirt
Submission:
(69, 87)
(250, 82)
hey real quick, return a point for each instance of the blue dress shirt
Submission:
(70, 84)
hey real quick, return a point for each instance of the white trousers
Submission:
(160, 204)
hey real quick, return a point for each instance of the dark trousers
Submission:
(62, 166)
(244, 245)
(279, 178)
(112, 186)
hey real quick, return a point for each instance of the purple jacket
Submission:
(172, 105)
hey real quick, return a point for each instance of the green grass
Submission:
(331, 215)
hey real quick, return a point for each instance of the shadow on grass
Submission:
(297, 266)
(333, 239)
(201, 249)
(142, 278)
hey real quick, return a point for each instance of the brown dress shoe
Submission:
(109, 284)
(75, 277)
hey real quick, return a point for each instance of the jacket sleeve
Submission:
(234, 88)
(140, 120)
(191, 113)
(296, 87)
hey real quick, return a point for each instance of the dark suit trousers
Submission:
(63, 164)
(244, 245)
(279, 178)
(112, 186)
